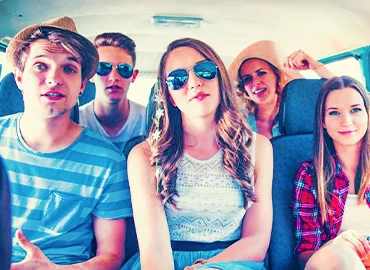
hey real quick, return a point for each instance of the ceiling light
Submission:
(176, 21)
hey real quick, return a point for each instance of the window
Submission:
(139, 91)
(2, 61)
(347, 66)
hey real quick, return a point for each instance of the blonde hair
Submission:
(250, 105)
(233, 135)
(323, 148)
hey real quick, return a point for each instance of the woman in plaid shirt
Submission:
(331, 196)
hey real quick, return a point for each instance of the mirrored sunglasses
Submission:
(124, 70)
(206, 70)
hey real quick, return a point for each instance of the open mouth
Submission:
(53, 95)
(259, 91)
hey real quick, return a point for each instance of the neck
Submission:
(267, 112)
(348, 157)
(48, 135)
(111, 115)
(199, 129)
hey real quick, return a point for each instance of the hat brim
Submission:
(23, 35)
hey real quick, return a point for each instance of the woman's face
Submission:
(259, 81)
(345, 118)
(197, 97)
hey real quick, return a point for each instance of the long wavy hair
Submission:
(323, 147)
(242, 93)
(233, 135)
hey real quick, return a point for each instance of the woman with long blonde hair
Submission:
(260, 73)
(202, 195)
(331, 197)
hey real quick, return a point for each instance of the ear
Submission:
(323, 124)
(83, 84)
(18, 78)
(134, 75)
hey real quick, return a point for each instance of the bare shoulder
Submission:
(140, 153)
(263, 160)
(263, 145)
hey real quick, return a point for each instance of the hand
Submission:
(35, 258)
(192, 267)
(299, 60)
(356, 241)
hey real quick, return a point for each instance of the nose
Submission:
(193, 80)
(347, 119)
(55, 77)
(113, 75)
(255, 82)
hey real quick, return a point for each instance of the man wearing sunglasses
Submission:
(111, 114)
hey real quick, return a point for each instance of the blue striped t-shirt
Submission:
(54, 196)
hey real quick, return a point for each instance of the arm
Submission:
(110, 251)
(110, 241)
(257, 223)
(299, 60)
(150, 218)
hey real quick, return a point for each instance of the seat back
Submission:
(290, 150)
(5, 237)
(289, 153)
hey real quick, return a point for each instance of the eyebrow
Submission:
(70, 58)
(335, 108)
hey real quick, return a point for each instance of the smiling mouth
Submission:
(346, 132)
(261, 90)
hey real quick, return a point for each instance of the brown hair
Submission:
(323, 147)
(72, 42)
(117, 40)
(233, 135)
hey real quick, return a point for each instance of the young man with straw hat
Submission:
(67, 183)
(260, 73)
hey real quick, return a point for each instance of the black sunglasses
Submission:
(124, 70)
(206, 70)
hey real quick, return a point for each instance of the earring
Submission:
(80, 94)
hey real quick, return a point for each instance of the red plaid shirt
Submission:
(310, 234)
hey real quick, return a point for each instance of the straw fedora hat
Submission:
(269, 51)
(65, 23)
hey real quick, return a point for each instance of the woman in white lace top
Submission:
(201, 183)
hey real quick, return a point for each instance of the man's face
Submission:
(51, 80)
(113, 86)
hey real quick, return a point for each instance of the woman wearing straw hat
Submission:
(260, 72)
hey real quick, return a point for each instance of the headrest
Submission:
(150, 110)
(297, 106)
(11, 99)
(88, 94)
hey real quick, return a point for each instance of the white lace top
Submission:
(210, 203)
